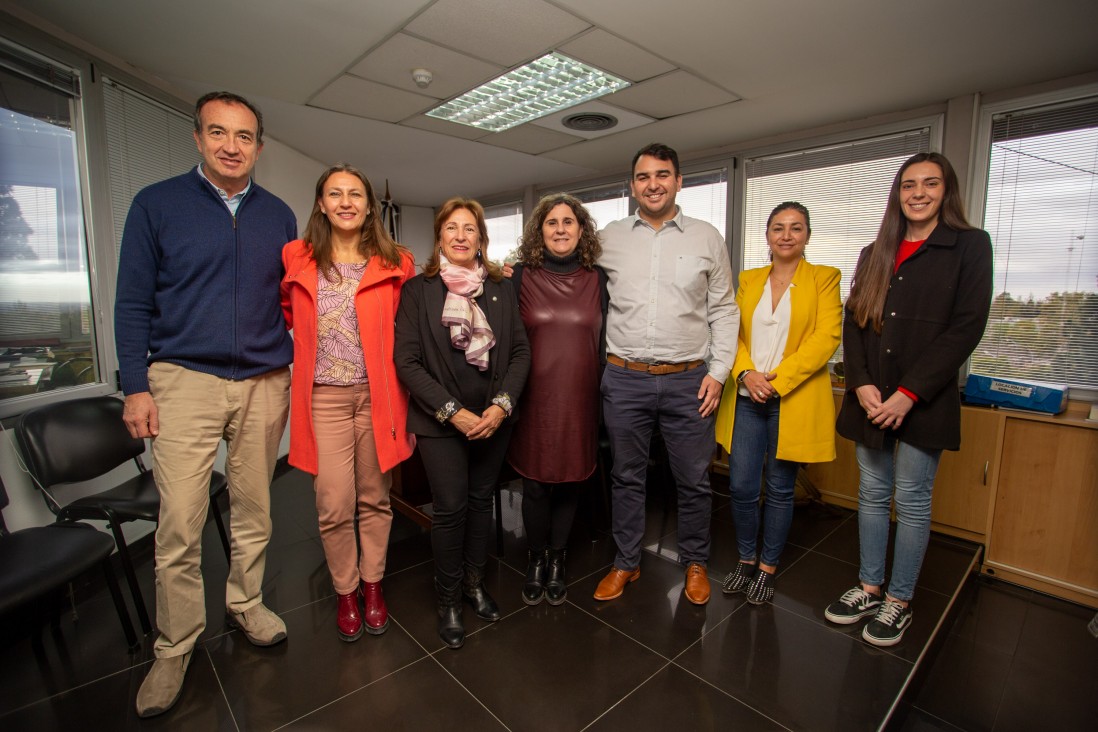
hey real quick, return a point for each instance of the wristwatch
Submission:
(742, 374)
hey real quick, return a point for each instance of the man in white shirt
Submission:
(670, 341)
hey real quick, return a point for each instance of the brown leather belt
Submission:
(653, 368)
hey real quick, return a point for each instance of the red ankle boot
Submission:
(348, 619)
(376, 614)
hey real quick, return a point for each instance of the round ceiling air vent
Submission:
(590, 121)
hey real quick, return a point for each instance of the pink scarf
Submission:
(469, 329)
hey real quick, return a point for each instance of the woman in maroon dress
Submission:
(562, 299)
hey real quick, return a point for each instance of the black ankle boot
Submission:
(555, 588)
(534, 587)
(450, 628)
(478, 597)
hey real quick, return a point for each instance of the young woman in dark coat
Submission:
(917, 309)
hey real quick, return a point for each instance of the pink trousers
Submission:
(349, 481)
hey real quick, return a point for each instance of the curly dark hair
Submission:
(532, 248)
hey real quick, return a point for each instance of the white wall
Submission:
(291, 176)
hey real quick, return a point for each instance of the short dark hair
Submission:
(660, 152)
(230, 98)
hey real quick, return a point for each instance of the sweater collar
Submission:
(567, 264)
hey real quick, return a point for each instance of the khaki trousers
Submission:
(349, 479)
(196, 412)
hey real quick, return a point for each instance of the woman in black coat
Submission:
(917, 309)
(461, 351)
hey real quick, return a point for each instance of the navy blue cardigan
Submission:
(197, 286)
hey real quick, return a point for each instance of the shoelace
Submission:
(855, 596)
(889, 612)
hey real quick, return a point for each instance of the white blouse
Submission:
(769, 331)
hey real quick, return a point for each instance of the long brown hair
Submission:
(532, 248)
(375, 239)
(430, 269)
(874, 272)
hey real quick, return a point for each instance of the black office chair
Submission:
(36, 563)
(80, 439)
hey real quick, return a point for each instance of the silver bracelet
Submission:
(503, 401)
(447, 410)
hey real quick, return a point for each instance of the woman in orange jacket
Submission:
(348, 410)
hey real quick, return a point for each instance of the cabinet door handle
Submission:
(987, 463)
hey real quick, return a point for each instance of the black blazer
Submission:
(934, 316)
(423, 352)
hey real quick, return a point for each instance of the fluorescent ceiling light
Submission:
(549, 84)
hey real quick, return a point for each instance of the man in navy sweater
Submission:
(203, 355)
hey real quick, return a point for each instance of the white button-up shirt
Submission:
(671, 297)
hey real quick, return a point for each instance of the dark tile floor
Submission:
(1002, 658)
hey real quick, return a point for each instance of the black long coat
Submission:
(423, 352)
(934, 316)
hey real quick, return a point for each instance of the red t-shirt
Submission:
(907, 248)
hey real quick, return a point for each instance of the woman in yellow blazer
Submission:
(790, 324)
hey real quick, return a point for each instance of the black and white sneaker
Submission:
(738, 579)
(888, 626)
(761, 588)
(854, 605)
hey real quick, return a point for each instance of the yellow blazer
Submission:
(806, 430)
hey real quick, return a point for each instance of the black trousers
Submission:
(463, 475)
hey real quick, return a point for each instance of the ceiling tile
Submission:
(506, 32)
(369, 99)
(433, 124)
(530, 139)
(610, 53)
(671, 94)
(454, 73)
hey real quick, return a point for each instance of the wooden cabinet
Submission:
(963, 486)
(962, 489)
(1044, 526)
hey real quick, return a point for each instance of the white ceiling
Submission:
(333, 77)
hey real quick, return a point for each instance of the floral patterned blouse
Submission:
(339, 360)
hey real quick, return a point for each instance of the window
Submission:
(605, 203)
(1041, 210)
(845, 188)
(504, 223)
(705, 196)
(47, 339)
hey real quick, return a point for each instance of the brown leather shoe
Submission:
(696, 588)
(613, 584)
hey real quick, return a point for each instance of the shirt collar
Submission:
(677, 220)
(229, 200)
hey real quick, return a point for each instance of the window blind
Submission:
(1042, 215)
(147, 142)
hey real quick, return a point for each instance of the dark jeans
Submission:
(634, 403)
(755, 439)
(463, 475)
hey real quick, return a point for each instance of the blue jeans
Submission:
(634, 404)
(755, 439)
(911, 470)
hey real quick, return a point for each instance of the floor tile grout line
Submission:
(628, 694)
(70, 689)
(352, 692)
(942, 619)
(731, 696)
(221, 686)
